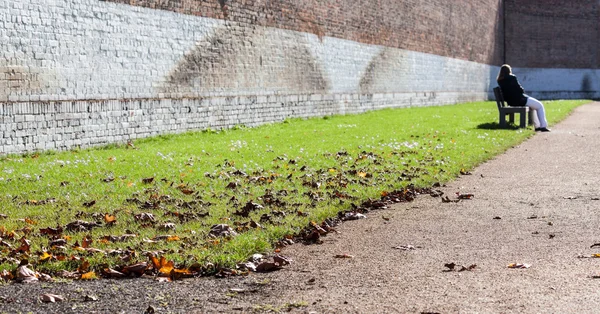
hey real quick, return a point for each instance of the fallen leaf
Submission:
(88, 298)
(24, 274)
(86, 241)
(446, 199)
(518, 265)
(110, 219)
(343, 256)
(166, 267)
(135, 269)
(89, 276)
(48, 297)
(111, 273)
(469, 268)
(221, 230)
(147, 180)
(464, 196)
(450, 266)
(596, 255)
(353, 216)
(45, 256)
(89, 203)
(167, 226)
(145, 217)
(407, 247)
(6, 275)
(80, 225)
(85, 265)
(52, 231)
(67, 274)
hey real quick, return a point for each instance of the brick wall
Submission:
(555, 47)
(553, 33)
(463, 29)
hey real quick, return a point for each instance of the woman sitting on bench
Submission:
(514, 96)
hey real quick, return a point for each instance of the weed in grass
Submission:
(116, 206)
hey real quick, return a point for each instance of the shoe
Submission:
(542, 130)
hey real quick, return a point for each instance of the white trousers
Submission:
(539, 115)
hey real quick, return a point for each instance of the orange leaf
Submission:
(109, 219)
(166, 268)
(155, 261)
(89, 276)
(30, 221)
(362, 174)
(173, 238)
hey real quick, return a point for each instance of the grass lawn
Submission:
(89, 210)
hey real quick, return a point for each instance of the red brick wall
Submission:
(463, 29)
(553, 33)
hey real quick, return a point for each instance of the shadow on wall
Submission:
(387, 72)
(231, 62)
(587, 86)
(493, 74)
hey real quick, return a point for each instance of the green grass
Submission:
(298, 170)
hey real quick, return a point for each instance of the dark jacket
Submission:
(512, 91)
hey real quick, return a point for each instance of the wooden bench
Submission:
(504, 110)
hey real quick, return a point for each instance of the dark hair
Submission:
(505, 71)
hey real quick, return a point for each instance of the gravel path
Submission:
(537, 204)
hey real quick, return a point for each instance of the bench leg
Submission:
(511, 117)
(502, 120)
(523, 119)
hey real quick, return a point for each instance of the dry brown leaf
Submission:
(135, 269)
(85, 265)
(24, 274)
(86, 241)
(48, 297)
(6, 275)
(111, 273)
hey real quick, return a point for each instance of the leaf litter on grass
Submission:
(203, 209)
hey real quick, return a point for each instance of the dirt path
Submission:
(536, 204)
